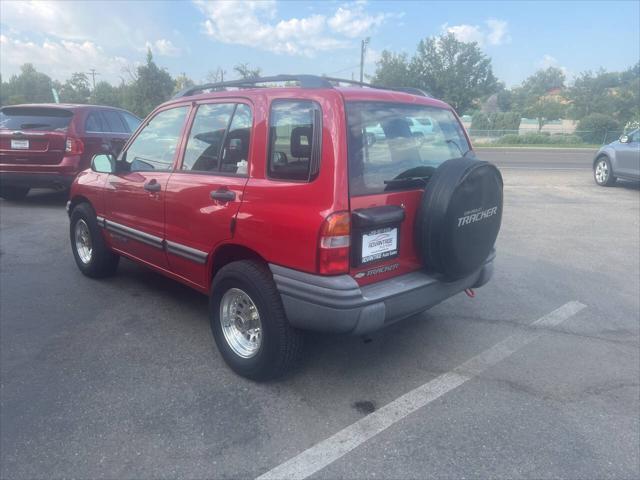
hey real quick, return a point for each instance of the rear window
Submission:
(35, 118)
(395, 141)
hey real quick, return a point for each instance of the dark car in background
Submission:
(46, 145)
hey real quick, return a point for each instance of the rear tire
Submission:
(14, 193)
(93, 257)
(244, 297)
(603, 173)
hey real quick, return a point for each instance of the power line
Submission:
(93, 74)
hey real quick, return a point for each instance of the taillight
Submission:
(334, 243)
(74, 146)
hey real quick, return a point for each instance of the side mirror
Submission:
(624, 139)
(103, 163)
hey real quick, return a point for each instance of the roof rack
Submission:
(305, 81)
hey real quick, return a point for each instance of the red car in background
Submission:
(46, 145)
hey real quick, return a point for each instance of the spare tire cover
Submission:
(459, 217)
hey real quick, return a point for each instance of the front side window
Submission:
(388, 142)
(294, 140)
(205, 139)
(155, 147)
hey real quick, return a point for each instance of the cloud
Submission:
(254, 24)
(551, 61)
(495, 33)
(163, 47)
(59, 59)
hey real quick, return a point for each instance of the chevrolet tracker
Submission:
(311, 206)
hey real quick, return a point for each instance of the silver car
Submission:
(619, 159)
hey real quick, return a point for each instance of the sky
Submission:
(280, 36)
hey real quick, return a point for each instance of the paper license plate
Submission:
(379, 244)
(20, 144)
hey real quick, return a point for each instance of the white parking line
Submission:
(328, 451)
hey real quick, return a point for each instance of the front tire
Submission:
(603, 173)
(249, 324)
(93, 257)
(14, 193)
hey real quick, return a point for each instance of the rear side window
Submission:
(114, 122)
(132, 121)
(94, 123)
(294, 140)
(35, 118)
(155, 146)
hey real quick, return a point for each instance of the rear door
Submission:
(205, 191)
(33, 135)
(117, 130)
(388, 168)
(135, 194)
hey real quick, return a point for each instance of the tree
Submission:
(544, 110)
(392, 70)
(152, 86)
(215, 76)
(247, 72)
(540, 96)
(29, 86)
(182, 82)
(107, 94)
(597, 127)
(76, 89)
(456, 72)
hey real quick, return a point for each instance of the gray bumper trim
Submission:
(338, 304)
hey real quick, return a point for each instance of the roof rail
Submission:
(305, 81)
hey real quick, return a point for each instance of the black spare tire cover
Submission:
(459, 217)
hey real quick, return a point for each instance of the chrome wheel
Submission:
(602, 172)
(240, 322)
(84, 246)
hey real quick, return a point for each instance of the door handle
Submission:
(223, 195)
(152, 186)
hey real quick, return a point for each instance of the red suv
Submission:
(46, 145)
(279, 204)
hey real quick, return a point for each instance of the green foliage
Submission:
(456, 72)
(597, 127)
(616, 94)
(76, 89)
(247, 72)
(151, 87)
(182, 82)
(106, 94)
(495, 121)
(538, 139)
(30, 86)
(544, 110)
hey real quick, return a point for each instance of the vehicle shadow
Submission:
(627, 184)
(45, 198)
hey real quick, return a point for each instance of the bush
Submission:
(538, 139)
(495, 121)
(595, 127)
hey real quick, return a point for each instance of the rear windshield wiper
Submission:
(405, 182)
(464, 154)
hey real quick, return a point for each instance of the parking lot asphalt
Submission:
(120, 378)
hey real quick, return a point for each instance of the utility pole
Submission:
(363, 49)
(93, 74)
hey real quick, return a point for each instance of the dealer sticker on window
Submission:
(379, 244)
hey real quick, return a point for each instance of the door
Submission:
(117, 132)
(136, 192)
(104, 132)
(628, 156)
(204, 194)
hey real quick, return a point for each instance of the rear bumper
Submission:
(37, 179)
(338, 304)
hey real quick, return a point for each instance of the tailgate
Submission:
(33, 135)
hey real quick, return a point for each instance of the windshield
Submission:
(35, 118)
(392, 144)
